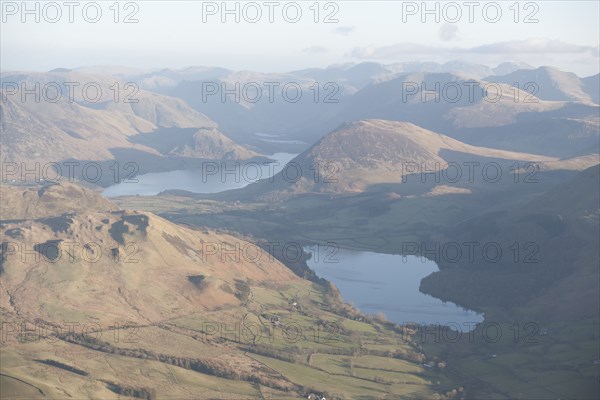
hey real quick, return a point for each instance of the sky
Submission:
(279, 36)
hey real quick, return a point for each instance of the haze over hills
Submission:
(357, 182)
(562, 108)
(245, 103)
(552, 84)
(513, 120)
(331, 87)
(356, 75)
(453, 103)
(157, 79)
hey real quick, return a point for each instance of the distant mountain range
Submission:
(490, 116)
(355, 75)
(552, 84)
(541, 111)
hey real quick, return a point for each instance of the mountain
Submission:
(571, 130)
(142, 260)
(81, 127)
(497, 116)
(363, 154)
(551, 84)
(157, 79)
(361, 74)
(506, 68)
(465, 69)
(204, 143)
(354, 75)
(438, 101)
(591, 85)
(326, 92)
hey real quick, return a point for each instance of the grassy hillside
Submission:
(122, 303)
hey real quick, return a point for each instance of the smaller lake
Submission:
(213, 178)
(272, 138)
(388, 283)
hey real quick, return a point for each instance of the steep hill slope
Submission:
(550, 276)
(93, 123)
(366, 153)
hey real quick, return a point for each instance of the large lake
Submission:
(213, 179)
(388, 283)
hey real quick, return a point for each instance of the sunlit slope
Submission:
(126, 303)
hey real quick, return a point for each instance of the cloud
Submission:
(344, 30)
(537, 46)
(528, 46)
(315, 50)
(448, 32)
(393, 51)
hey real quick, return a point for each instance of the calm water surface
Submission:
(387, 283)
(212, 178)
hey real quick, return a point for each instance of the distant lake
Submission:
(389, 283)
(272, 138)
(213, 178)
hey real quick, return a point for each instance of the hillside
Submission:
(562, 223)
(204, 143)
(90, 128)
(547, 282)
(125, 303)
(591, 85)
(142, 261)
(362, 154)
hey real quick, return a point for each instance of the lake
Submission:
(388, 283)
(213, 178)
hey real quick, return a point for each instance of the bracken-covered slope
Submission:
(102, 303)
